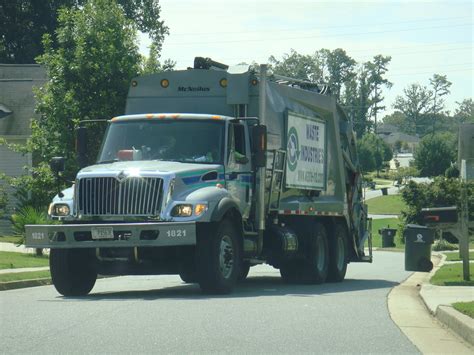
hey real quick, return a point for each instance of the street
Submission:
(144, 314)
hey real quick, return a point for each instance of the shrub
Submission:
(442, 192)
(442, 245)
(3, 201)
(28, 215)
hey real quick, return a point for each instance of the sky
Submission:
(422, 37)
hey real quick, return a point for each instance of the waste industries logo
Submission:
(292, 149)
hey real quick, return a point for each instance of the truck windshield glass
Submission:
(194, 141)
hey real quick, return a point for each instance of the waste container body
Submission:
(388, 237)
(418, 241)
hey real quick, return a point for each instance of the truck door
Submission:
(238, 167)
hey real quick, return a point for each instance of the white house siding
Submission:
(16, 94)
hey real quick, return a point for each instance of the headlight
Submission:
(59, 209)
(182, 211)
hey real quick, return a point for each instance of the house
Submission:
(17, 104)
(391, 134)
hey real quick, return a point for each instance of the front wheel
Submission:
(218, 258)
(73, 271)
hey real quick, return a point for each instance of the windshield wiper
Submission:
(107, 161)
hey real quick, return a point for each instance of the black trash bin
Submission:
(388, 237)
(418, 241)
(384, 191)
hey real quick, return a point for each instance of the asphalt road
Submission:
(160, 314)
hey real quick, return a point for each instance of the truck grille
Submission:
(107, 196)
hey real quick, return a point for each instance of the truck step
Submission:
(366, 259)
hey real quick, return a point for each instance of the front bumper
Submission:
(124, 235)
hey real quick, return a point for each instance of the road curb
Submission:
(459, 323)
(12, 285)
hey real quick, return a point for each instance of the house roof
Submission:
(399, 136)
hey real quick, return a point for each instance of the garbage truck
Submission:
(211, 171)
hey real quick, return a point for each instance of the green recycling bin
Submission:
(418, 241)
(388, 237)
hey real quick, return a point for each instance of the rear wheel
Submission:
(291, 270)
(73, 271)
(244, 271)
(313, 268)
(218, 258)
(338, 254)
(316, 260)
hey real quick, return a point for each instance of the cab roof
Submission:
(173, 116)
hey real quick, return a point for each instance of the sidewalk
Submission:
(19, 248)
(24, 269)
(438, 300)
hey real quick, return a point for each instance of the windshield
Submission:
(178, 140)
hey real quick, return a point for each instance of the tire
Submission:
(73, 271)
(218, 258)
(338, 254)
(316, 262)
(244, 271)
(188, 276)
(291, 271)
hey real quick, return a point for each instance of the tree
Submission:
(297, 66)
(340, 70)
(89, 74)
(373, 152)
(440, 88)
(26, 21)
(415, 106)
(334, 68)
(152, 64)
(465, 111)
(434, 155)
(376, 71)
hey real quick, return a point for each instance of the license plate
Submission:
(102, 233)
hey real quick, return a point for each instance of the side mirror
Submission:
(81, 146)
(57, 165)
(259, 139)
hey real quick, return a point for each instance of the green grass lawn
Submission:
(451, 275)
(390, 204)
(465, 307)
(12, 260)
(455, 256)
(17, 276)
(10, 239)
(384, 223)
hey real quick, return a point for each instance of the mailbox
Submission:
(438, 215)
